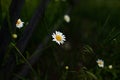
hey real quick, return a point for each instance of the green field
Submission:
(91, 30)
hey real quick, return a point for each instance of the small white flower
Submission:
(100, 63)
(67, 18)
(14, 36)
(19, 23)
(66, 67)
(110, 66)
(58, 37)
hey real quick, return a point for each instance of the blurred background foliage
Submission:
(93, 33)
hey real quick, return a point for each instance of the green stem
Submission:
(23, 58)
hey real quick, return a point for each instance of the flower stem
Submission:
(23, 58)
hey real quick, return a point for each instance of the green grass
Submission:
(93, 33)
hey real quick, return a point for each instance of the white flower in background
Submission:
(19, 23)
(67, 18)
(110, 66)
(100, 63)
(58, 37)
(14, 36)
(66, 67)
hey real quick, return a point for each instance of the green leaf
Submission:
(92, 75)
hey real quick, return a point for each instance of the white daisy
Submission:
(100, 63)
(58, 37)
(110, 66)
(67, 18)
(19, 23)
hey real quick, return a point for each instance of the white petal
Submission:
(58, 42)
(62, 42)
(53, 35)
(54, 40)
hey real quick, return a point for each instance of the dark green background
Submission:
(93, 33)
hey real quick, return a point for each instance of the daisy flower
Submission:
(58, 37)
(19, 23)
(110, 66)
(100, 63)
(67, 18)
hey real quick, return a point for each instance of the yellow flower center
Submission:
(18, 22)
(100, 62)
(58, 37)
